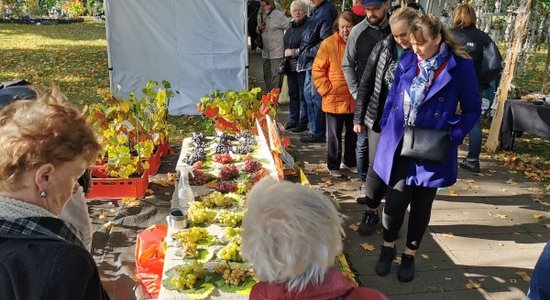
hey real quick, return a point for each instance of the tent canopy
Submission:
(196, 45)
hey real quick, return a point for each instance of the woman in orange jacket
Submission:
(337, 102)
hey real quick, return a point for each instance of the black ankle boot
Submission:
(406, 270)
(385, 260)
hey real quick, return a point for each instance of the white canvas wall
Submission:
(197, 45)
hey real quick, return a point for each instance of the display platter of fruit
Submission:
(206, 256)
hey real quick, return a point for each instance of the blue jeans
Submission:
(315, 115)
(540, 283)
(474, 142)
(362, 154)
(298, 109)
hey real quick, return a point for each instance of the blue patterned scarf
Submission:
(422, 82)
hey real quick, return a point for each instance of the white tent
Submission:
(197, 45)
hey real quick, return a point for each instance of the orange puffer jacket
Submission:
(329, 78)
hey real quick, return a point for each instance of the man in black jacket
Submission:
(361, 41)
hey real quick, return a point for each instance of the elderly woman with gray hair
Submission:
(45, 146)
(293, 250)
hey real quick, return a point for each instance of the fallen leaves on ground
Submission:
(448, 234)
(537, 216)
(130, 202)
(425, 256)
(453, 193)
(523, 275)
(534, 167)
(368, 246)
(547, 226)
(473, 284)
(511, 181)
(501, 216)
(108, 225)
(354, 226)
(328, 183)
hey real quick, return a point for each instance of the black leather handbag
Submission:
(284, 66)
(491, 64)
(428, 144)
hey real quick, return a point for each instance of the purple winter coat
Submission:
(455, 85)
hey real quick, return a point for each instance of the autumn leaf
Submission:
(448, 234)
(453, 193)
(523, 276)
(425, 256)
(108, 225)
(328, 183)
(354, 226)
(537, 216)
(511, 182)
(469, 180)
(501, 216)
(473, 284)
(368, 246)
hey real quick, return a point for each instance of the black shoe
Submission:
(369, 222)
(387, 255)
(289, 126)
(299, 128)
(312, 139)
(472, 166)
(362, 196)
(406, 270)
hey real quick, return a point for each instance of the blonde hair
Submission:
(434, 26)
(464, 16)
(34, 132)
(291, 233)
(404, 14)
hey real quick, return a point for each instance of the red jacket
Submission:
(335, 287)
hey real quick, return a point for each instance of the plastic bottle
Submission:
(185, 192)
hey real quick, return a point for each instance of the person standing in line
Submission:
(292, 39)
(371, 97)
(361, 41)
(539, 289)
(318, 28)
(252, 8)
(428, 86)
(272, 24)
(474, 41)
(337, 102)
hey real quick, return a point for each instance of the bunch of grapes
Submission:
(191, 235)
(258, 175)
(222, 148)
(229, 218)
(243, 187)
(217, 199)
(198, 165)
(232, 276)
(188, 274)
(226, 186)
(199, 177)
(247, 138)
(197, 213)
(251, 165)
(190, 250)
(228, 171)
(230, 252)
(195, 155)
(246, 144)
(233, 234)
(224, 138)
(243, 149)
(222, 158)
(199, 140)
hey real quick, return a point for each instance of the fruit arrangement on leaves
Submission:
(199, 140)
(195, 155)
(224, 186)
(222, 158)
(222, 148)
(217, 199)
(251, 165)
(258, 176)
(187, 275)
(191, 235)
(198, 165)
(198, 177)
(224, 138)
(198, 214)
(233, 234)
(233, 275)
(229, 218)
(246, 144)
(230, 252)
(228, 171)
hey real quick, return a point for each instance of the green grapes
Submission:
(230, 252)
(233, 276)
(233, 235)
(217, 199)
(187, 275)
(229, 218)
(197, 213)
(191, 235)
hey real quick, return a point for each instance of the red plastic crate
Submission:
(165, 148)
(154, 161)
(116, 188)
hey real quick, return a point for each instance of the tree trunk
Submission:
(545, 78)
(520, 30)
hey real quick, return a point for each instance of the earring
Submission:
(43, 194)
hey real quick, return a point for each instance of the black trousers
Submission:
(398, 198)
(376, 187)
(335, 125)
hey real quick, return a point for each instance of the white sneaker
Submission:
(351, 169)
(336, 173)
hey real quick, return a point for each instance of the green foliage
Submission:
(74, 8)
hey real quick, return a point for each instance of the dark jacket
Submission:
(41, 267)
(372, 90)
(474, 41)
(456, 85)
(252, 9)
(318, 28)
(293, 39)
(335, 287)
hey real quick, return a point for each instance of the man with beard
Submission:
(361, 41)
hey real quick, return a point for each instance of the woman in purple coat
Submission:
(428, 87)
